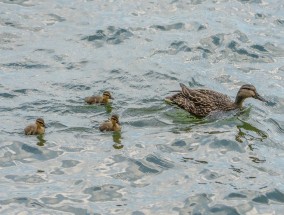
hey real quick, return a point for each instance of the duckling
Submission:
(202, 102)
(99, 99)
(111, 125)
(37, 128)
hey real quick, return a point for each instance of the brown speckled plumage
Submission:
(111, 125)
(37, 128)
(104, 99)
(202, 102)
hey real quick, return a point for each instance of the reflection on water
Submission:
(108, 108)
(247, 132)
(41, 140)
(116, 136)
(256, 160)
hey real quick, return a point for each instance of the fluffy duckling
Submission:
(111, 125)
(104, 99)
(37, 128)
(202, 102)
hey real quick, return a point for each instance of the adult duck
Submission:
(203, 102)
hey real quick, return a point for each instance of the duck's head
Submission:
(247, 91)
(107, 95)
(115, 119)
(40, 122)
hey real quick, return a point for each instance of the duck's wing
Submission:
(30, 129)
(106, 126)
(215, 95)
(200, 102)
(205, 95)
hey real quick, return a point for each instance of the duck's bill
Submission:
(257, 96)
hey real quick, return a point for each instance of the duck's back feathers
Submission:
(106, 126)
(111, 125)
(201, 102)
(93, 99)
(30, 130)
(33, 130)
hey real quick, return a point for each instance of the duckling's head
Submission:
(40, 122)
(247, 91)
(107, 95)
(115, 119)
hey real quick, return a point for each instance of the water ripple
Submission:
(111, 35)
(164, 161)
(7, 95)
(25, 153)
(25, 65)
(19, 2)
(107, 192)
(175, 26)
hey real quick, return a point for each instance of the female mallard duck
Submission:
(37, 128)
(99, 99)
(111, 125)
(202, 102)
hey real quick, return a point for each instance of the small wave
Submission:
(175, 26)
(236, 196)
(227, 145)
(69, 163)
(162, 163)
(178, 46)
(152, 75)
(76, 65)
(217, 39)
(19, 2)
(111, 35)
(276, 125)
(251, 1)
(233, 45)
(259, 48)
(280, 22)
(7, 95)
(205, 203)
(24, 65)
(29, 179)
(26, 153)
(274, 195)
(104, 193)
(71, 86)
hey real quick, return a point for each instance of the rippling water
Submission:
(165, 161)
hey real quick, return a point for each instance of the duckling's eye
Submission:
(40, 122)
(115, 119)
(106, 94)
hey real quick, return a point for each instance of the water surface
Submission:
(165, 161)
